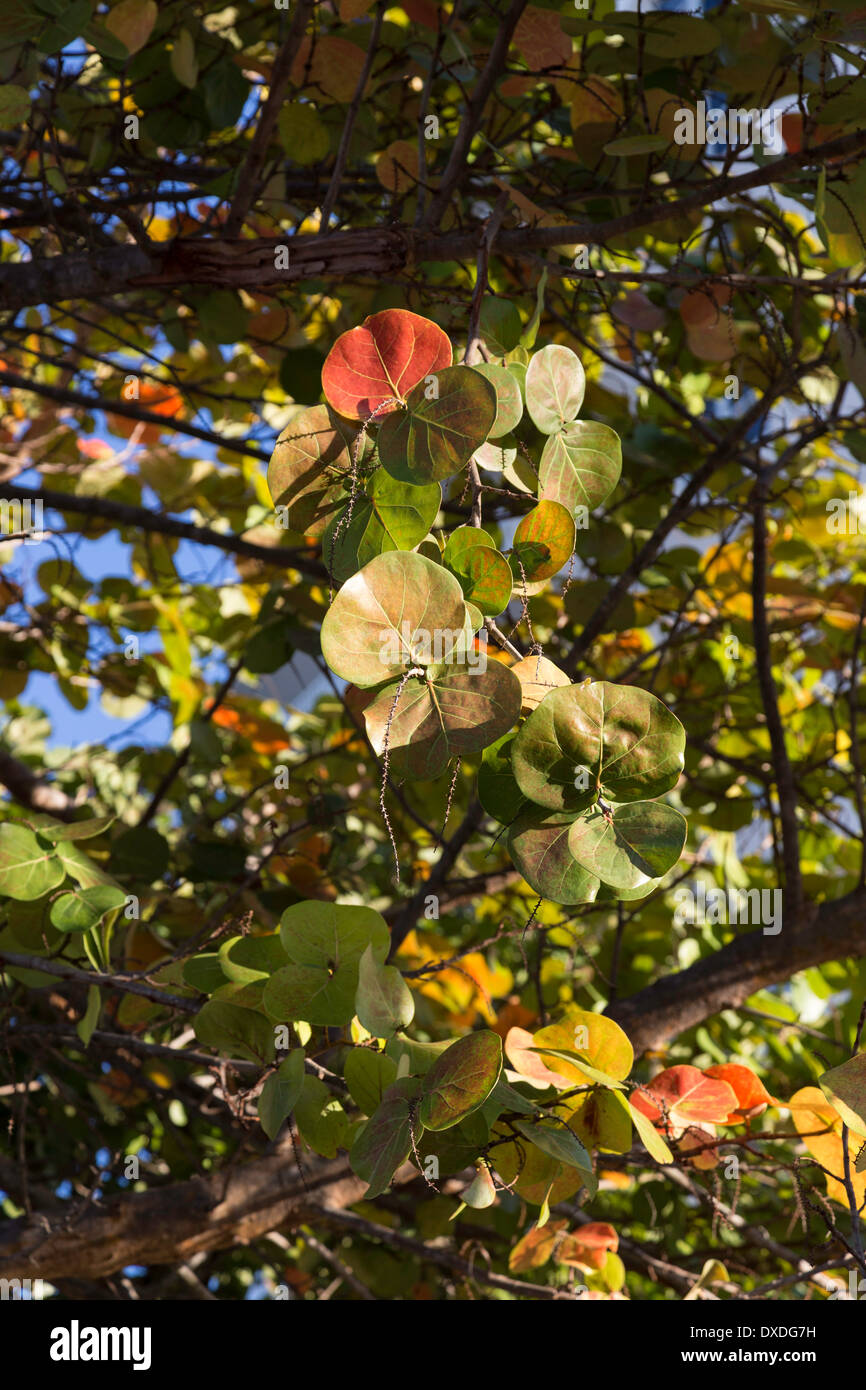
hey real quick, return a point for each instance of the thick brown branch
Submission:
(728, 977)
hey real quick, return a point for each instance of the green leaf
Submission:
(483, 573)
(321, 1119)
(538, 845)
(225, 91)
(459, 712)
(390, 516)
(280, 1092)
(627, 741)
(28, 868)
(498, 792)
(368, 631)
(368, 1075)
(235, 1031)
(637, 144)
(325, 943)
(635, 844)
(383, 1001)
(183, 60)
(245, 959)
(555, 383)
(85, 908)
(49, 829)
(509, 401)
(86, 1025)
(580, 465)
(559, 1143)
(303, 136)
(446, 418)
(386, 1138)
(141, 853)
(500, 325)
(461, 1079)
(650, 1137)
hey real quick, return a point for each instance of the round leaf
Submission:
(509, 401)
(381, 361)
(626, 740)
(543, 542)
(633, 844)
(444, 422)
(383, 1001)
(538, 845)
(369, 632)
(310, 466)
(28, 869)
(461, 711)
(580, 465)
(555, 383)
(84, 908)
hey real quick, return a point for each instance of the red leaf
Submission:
(685, 1097)
(752, 1095)
(389, 354)
(588, 1247)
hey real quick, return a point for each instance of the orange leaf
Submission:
(752, 1095)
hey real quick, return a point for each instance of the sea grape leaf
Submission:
(373, 367)
(634, 844)
(322, 1122)
(388, 516)
(280, 1092)
(368, 1075)
(84, 908)
(596, 1043)
(626, 739)
(845, 1088)
(367, 633)
(461, 1079)
(484, 576)
(534, 1174)
(543, 542)
(819, 1125)
(325, 943)
(682, 1096)
(460, 711)
(580, 465)
(599, 1121)
(538, 845)
(752, 1095)
(509, 401)
(235, 1031)
(29, 868)
(383, 1001)
(386, 1138)
(49, 829)
(245, 959)
(561, 1144)
(555, 384)
(498, 792)
(310, 468)
(444, 422)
